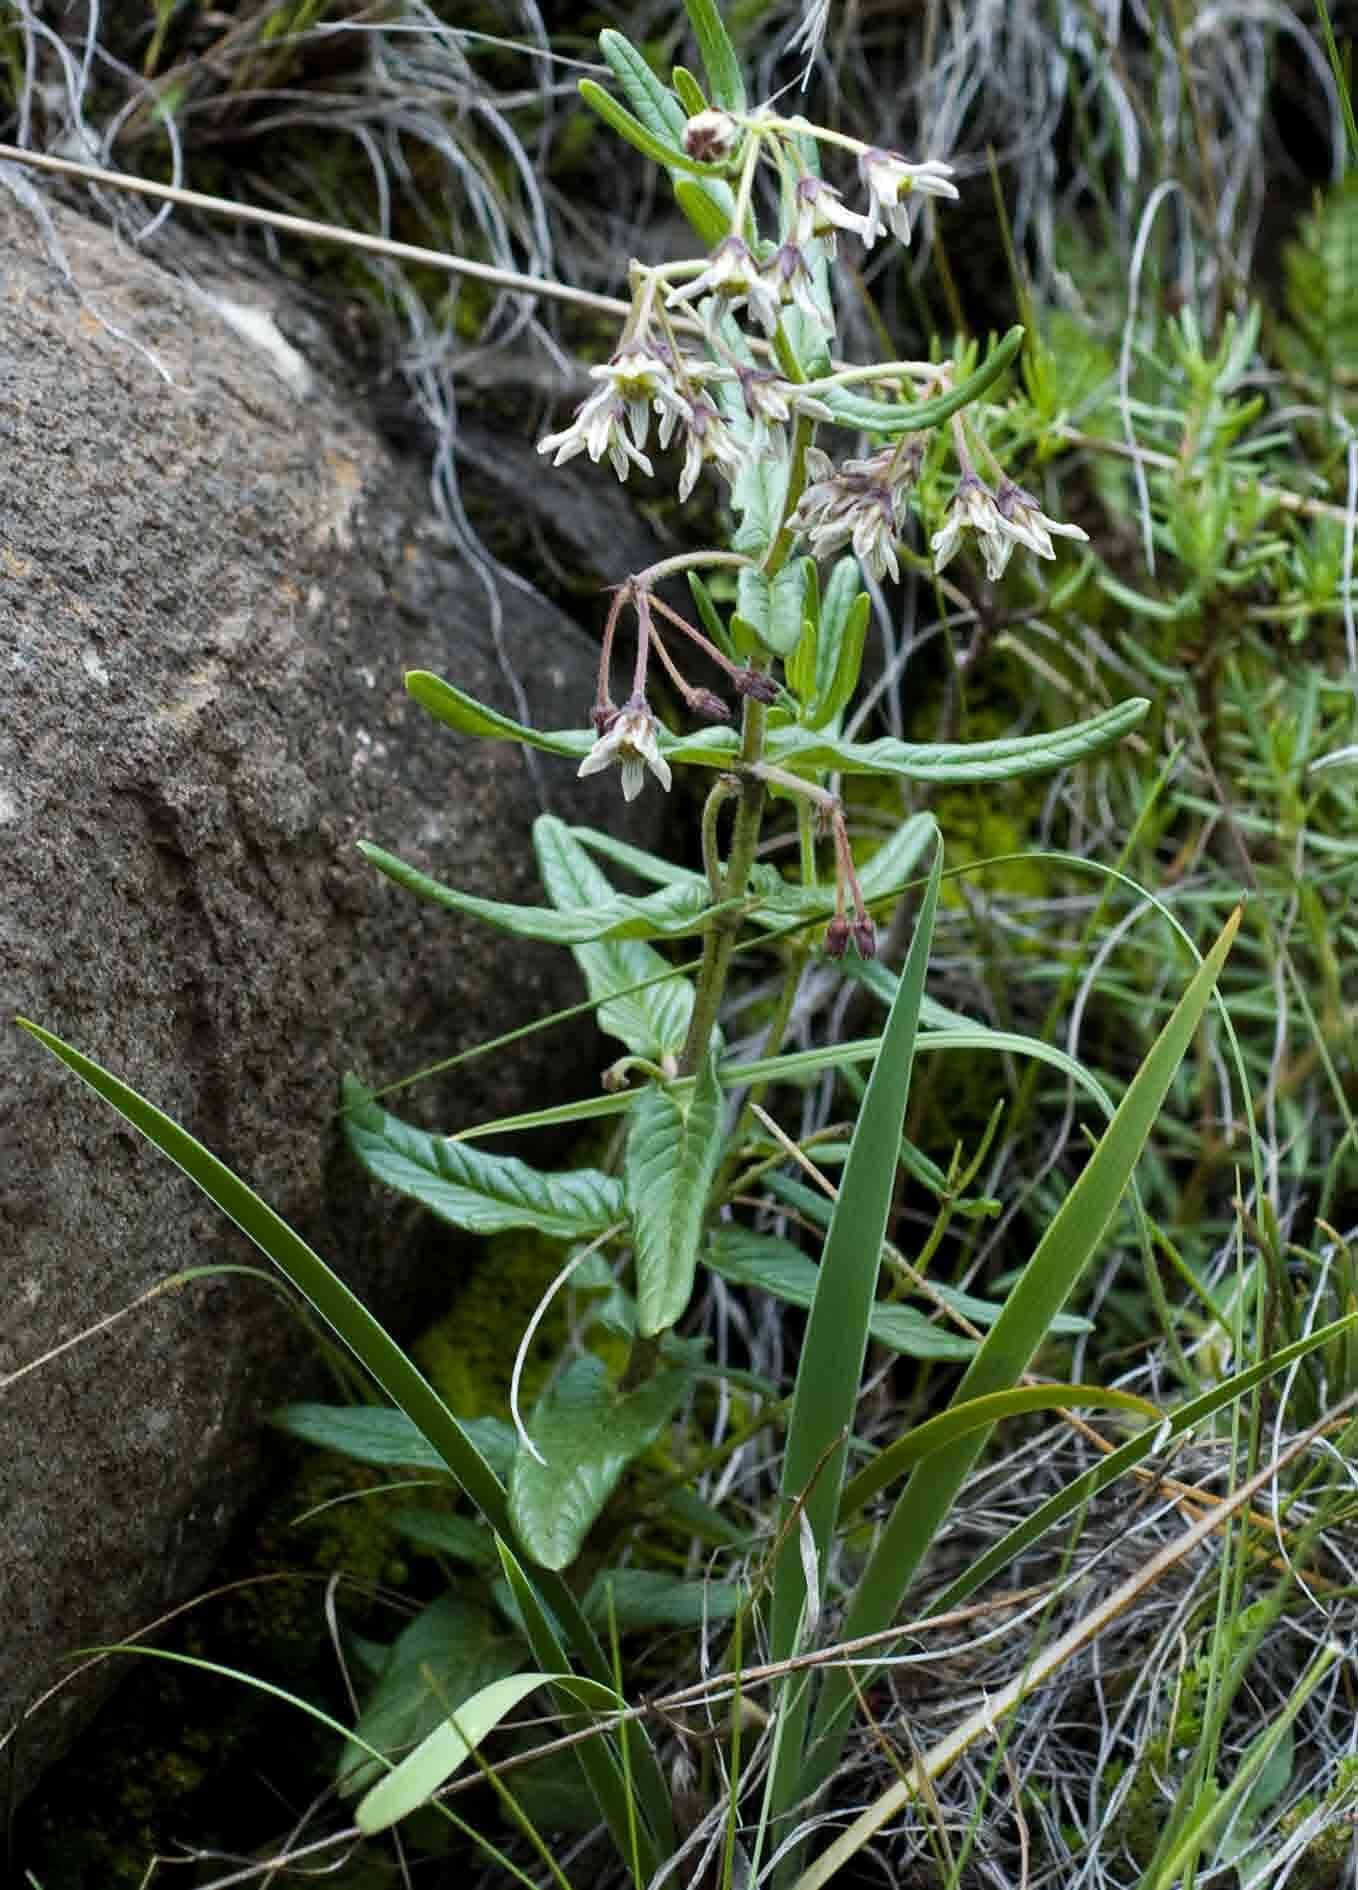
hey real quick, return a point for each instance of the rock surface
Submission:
(212, 575)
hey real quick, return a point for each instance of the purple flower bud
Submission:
(757, 683)
(711, 707)
(865, 937)
(837, 935)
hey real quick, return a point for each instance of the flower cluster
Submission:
(862, 503)
(1001, 520)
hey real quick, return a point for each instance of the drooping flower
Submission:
(733, 278)
(974, 508)
(793, 282)
(597, 429)
(1025, 522)
(641, 376)
(862, 502)
(709, 437)
(822, 213)
(630, 739)
(891, 181)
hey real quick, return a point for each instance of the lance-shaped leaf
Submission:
(771, 1265)
(646, 1598)
(708, 747)
(463, 1185)
(1060, 1257)
(372, 1433)
(652, 1023)
(451, 1648)
(787, 597)
(586, 1432)
(836, 1338)
(753, 604)
(1000, 760)
(720, 63)
(673, 1147)
(447, 1747)
(672, 912)
(879, 416)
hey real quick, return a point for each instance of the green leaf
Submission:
(460, 1538)
(483, 1193)
(451, 1648)
(757, 499)
(833, 694)
(960, 1420)
(644, 1598)
(753, 603)
(652, 1023)
(710, 615)
(447, 1747)
(787, 595)
(370, 1343)
(881, 417)
(1001, 760)
(587, 1433)
(673, 1148)
(1006, 1353)
(375, 1434)
(688, 91)
(708, 747)
(770, 1265)
(654, 104)
(673, 912)
(831, 1362)
(724, 77)
(897, 857)
(707, 207)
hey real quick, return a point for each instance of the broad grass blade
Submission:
(1047, 1281)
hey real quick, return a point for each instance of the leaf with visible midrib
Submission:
(673, 1146)
(588, 1433)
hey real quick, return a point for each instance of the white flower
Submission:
(641, 378)
(708, 438)
(732, 276)
(890, 181)
(630, 739)
(597, 429)
(793, 281)
(974, 508)
(821, 212)
(862, 501)
(1026, 524)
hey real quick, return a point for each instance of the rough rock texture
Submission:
(212, 575)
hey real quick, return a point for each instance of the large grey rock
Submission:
(212, 576)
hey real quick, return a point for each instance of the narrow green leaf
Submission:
(673, 912)
(654, 104)
(833, 695)
(447, 1747)
(896, 859)
(1047, 1281)
(673, 1148)
(452, 1648)
(1001, 760)
(831, 1362)
(787, 594)
(881, 417)
(770, 1265)
(707, 207)
(459, 1538)
(486, 1194)
(709, 747)
(376, 1434)
(347, 1317)
(753, 602)
(587, 1433)
(615, 1795)
(724, 77)
(688, 91)
(645, 1598)
(652, 1023)
(710, 615)
(960, 1420)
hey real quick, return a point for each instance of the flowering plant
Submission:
(729, 355)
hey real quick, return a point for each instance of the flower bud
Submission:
(837, 937)
(709, 706)
(710, 136)
(865, 937)
(757, 683)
